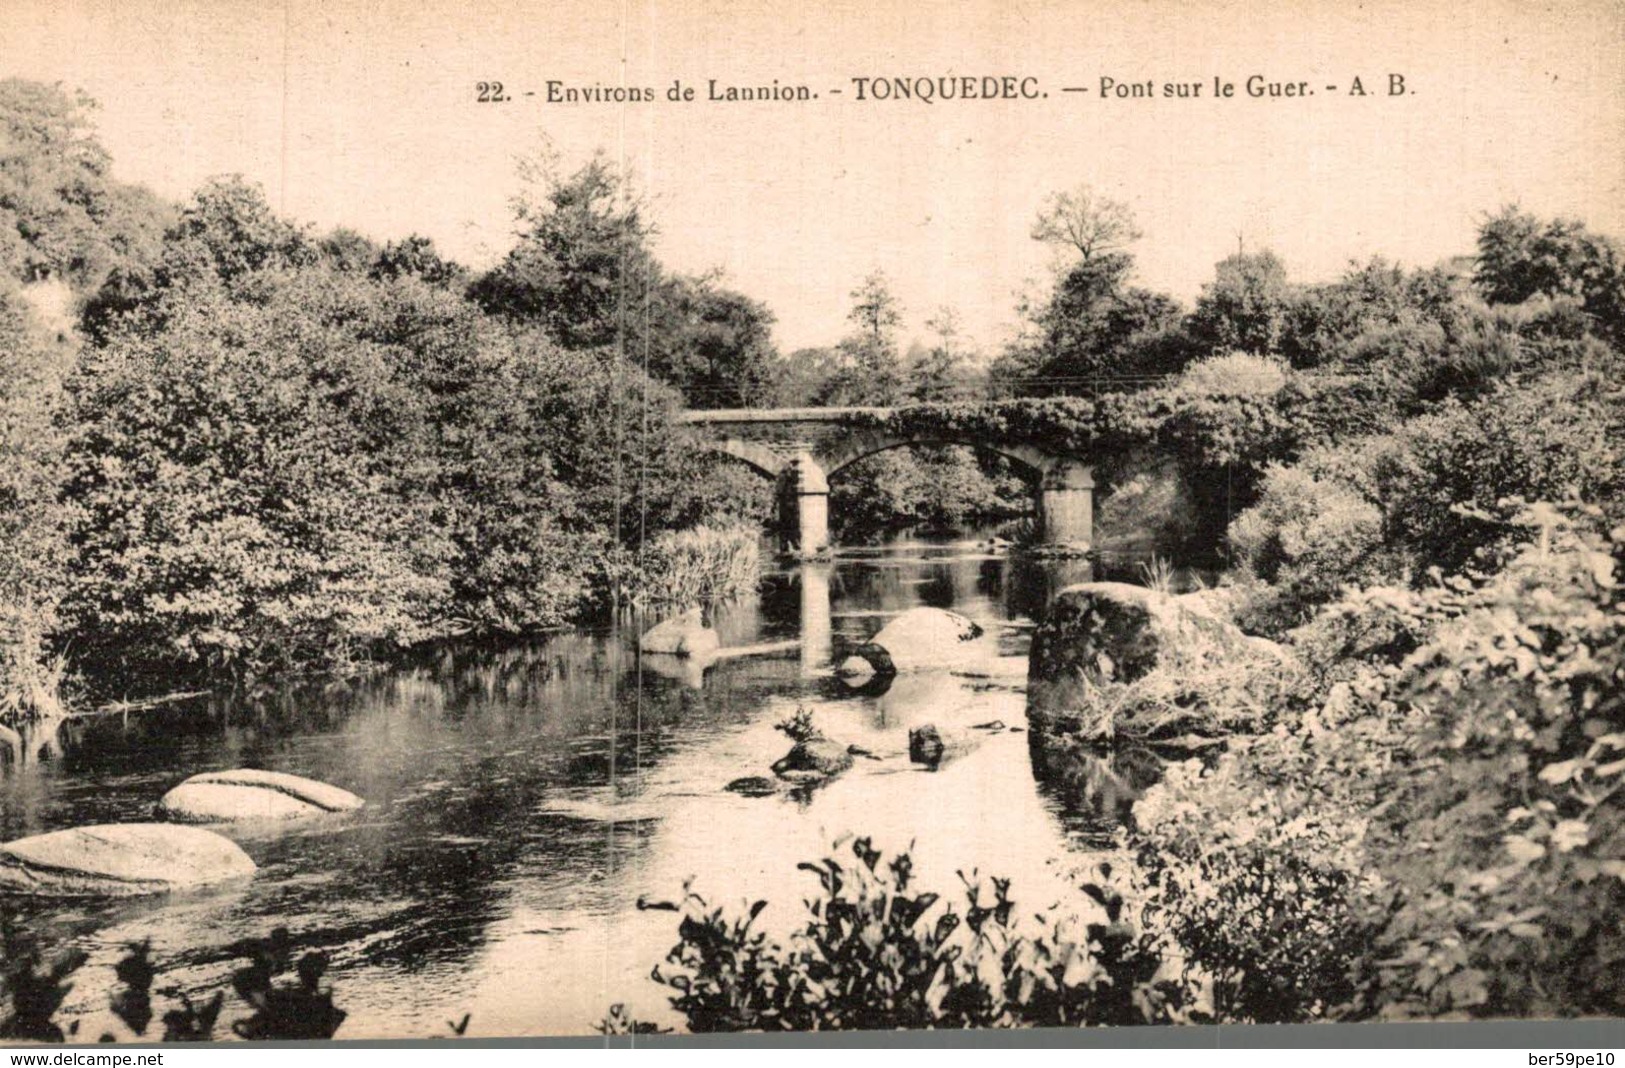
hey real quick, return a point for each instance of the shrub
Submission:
(871, 956)
(1310, 535)
(1438, 829)
(1504, 835)
(1233, 374)
(1147, 509)
(1450, 485)
(239, 476)
(302, 1009)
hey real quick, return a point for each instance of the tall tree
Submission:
(1521, 256)
(712, 343)
(62, 215)
(870, 371)
(1245, 307)
(940, 373)
(1093, 331)
(1091, 226)
(582, 267)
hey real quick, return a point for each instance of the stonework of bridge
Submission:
(1064, 485)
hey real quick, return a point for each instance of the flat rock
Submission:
(251, 794)
(681, 635)
(120, 860)
(753, 786)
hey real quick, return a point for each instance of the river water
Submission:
(520, 802)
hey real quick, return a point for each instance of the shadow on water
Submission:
(520, 801)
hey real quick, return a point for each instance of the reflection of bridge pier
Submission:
(1064, 485)
(817, 622)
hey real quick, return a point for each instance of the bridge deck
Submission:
(775, 415)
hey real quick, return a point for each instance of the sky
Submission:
(363, 113)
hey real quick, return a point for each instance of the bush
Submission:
(1504, 835)
(1438, 828)
(872, 957)
(1147, 509)
(302, 1009)
(1311, 535)
(1256, 887)
(1229, 420)
(240, 478)
(1450, 484)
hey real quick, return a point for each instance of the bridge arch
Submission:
(764, 460)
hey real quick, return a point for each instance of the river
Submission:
(521, 801)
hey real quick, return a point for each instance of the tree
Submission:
(33, 518)
(62, 215)
(416, 255)
(1079, 221)
(713, 344)
(798, 380)
(1520, 257)
(1245, 307)
(869, 370)
(582, 268)
(1329, 325)
(1093, 330)
(241, 468)
(349, 250)
(229, 232)
(227, 237)
(940, 373)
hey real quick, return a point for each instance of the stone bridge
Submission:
(1064, 485)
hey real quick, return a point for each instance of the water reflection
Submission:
(521, 800)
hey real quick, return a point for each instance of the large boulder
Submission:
(1113, 663)
(813, 760)
(917, 639)
(681, 635)
(120, 860)
(250, 794)
(1118, 632)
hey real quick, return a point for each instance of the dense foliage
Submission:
(876, 953)
(261, 449)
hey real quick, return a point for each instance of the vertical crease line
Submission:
(287, 30)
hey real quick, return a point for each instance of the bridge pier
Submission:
(1066, 505)
(803, 506)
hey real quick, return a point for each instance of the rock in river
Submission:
(813, 760)
(933, 748)
(249, 794)
(917, 639)
(753, 786)
(120, 860)
(1121, 632)
(681, 635)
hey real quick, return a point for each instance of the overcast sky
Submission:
(364, 114)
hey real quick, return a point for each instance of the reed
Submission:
(682, 569)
